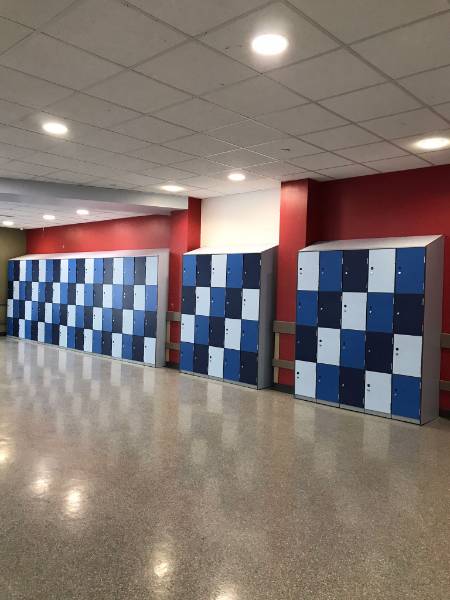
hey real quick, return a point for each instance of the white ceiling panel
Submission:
(341, 137)
(246, 133)
(10, 112)
(234, 39)
(10, 152)
(32, 12)
(348, 171)
(376, 151)
(11, 33)
(444, 110)
(70, 177)
(302, 119)
(159, 154)
(199, 115)
(151, 130)
(200, 145)
(433, 87)
(199, 166)
(328, 75)
(28, 168)
(440, 157)
(167, 172)
(240, 158)
(277, 170)
(325, 160)
(25, 139)
(285, 149)
(402, 163)
(409, 143)
(17, 87)
(408, 123)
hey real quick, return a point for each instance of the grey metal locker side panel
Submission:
(266, 317)
(431, 358)
(163, 287)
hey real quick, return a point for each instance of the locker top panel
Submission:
(373, 243)
(106, 254)
(257, 249)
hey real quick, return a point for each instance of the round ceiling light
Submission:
(55, 128)
(48, 217)
(269, 44)
(172, 188)
(433, 143)
(236, 176)
(82, 212)
(8, 223)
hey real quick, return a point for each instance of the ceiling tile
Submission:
(160, 154)
(302, 119)
(199, 166)
(285, 149)
(240, 158)
(246, 133)
(10, 152)
(195, 69)
(340, 137)
(333, 73)
(169, 173)
(135, 179)
(376, 151)
(11, 33)
(348, 171)
(376, 101)
(108, 140)
(15, 87)
(198, 115)
(408, 123)
(128, 163)
(202, 14)
(30, 12)
(305, 175)
(94, 111)
(324, 160)
(136, 91)
(24, 139)
(409, 143)
(203, 182)
(10, 112)
(440, 157)
(200, 145)
(402, 163)
(55, 61)
(432, 87)
(234, 39)
(52, 162)
(410, 49)
(70, 177)
(444, 110)
(270, 95)
(28, 168)
(350, 20)
(151, 130)
(277, 170)
(114, 31)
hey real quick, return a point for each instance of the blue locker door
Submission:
(203, 271)
(72, 270)
(406, 394)
(201, 331)
(201, 359)
(186, 356)
(353, 349)
(217, 302)
(380, 312)
(249, 368)
(128, 270)
(234, 270)
(49, 270)
(251, 271)
(408, 314)
(410, 271)
(98, 270)
(355, 266)
(327, 383)
(351, 387)
(189, 270)
(249, 336)
(232, 364)
(307, 307)
(330, 271)
(379, 351)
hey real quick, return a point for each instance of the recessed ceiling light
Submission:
(82, 212)
(55, 128)
(172, 188)
(236, 176)
(48, 217)
(8, 223)
(433, 143)
(269, 44)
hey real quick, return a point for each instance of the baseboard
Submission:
(283, 387)
(444, 413)
(172, 365)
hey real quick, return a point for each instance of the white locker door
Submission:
(305, 379)
(250, 304)
(35, 291)
(97, 315)
(89, 270)
(63, 336)
(79, 294)
(219, 270)
(354, 310)
(150, 351)
(116, 345)
(42, 271)
(107, 296)
(378, 392)
(56, 293)
(64, 276)
(48, 312)
(22, 328)
(139, 297)
(88, 335)
(382, 270)
(16, 290)
(41, 332)
(151, 270)
(407, 355)
(328, 345)
(215, 365)
(118, 271)
(233, 334)
(28, 310)
(127, 321)
(187, 328)
(308, 271)
(22, 270)
(9, 310)
(203, 298)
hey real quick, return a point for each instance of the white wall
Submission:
(250, 218)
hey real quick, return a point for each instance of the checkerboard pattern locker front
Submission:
(359, 328)
(220, 319)
(105, 305)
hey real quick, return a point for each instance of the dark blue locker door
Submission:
(410, 271)
(127, 346)
(106, 319)
(128, 270)
(108, 270)
(406, 394)
(79, 317)
(106, 343)
(11, 270)
(380, 312)
(306, 343)
(98, 294)
(355, 268)
(88, 317)
(201, 331)
(307, 307)
(249, 368)
(138, 348)
(34, 270)
(330, 309)
(79, 338)
(379, 351)
(351, 387)
(29, 270)
(150, 324)
(330, 271)
(217, 302)
(96, 340)
(55, 335)
(62, 314)
(128, 297)
(251, 271)
(138, 323)
(117, 320)
(234, 270)
(34, 330)
(201, 359)
(186, 356)
(203, 275)
(189, 270)
(28, 330)
(81, 270)
(28, 290)
(56, 271)
(188, 300)
(98, 270)
(216, 331)
(231, 364)
(408, 314)
(249, 336)
(353, 348)
(233, 303)
(139, 270)
(55, 314)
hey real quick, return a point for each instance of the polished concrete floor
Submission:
(124, 482)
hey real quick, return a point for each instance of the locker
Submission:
(22, 328)
(216, 359)
(250, 304)
(351, 387)
(48, 270)
(96, 340)
(203, 278)
(138, 348)
(308, 271)
(354, 270)
(151, 297)
(118, 271)
(128, 270)
(187, 328)
(353, 348)
(89, 270)
(88, 294)
(382, 270)
(410, 271)
(29, 271)
(233, 334)
(98, 270)
(106, 343)
(117, 297)
(64, 271)
(151, 271)
(56, 271)
(249, 368)
(16, 269)
(408, 314)
(98, 294)
(127, 346)
(406, 396)
(41, 332)
(34, 310)
(234, 270)
(251, 278)
(218, 270)
(327, 383)
(72, 272)
(407, 355)
(201, 332)
(71, 337)
(107, 319)
(330, 271)
(217, 306)
(79, 338)
(203, 300)
(150, 324)
(139, 297)
(186, 356)
(305, 379)
(88, 318)
(71, 316)
(55, 335)
(149, 350)
(116, 345)
(80, 267)
(34, 291)
(127, 321)
(233, 303)
(62, 314)
(307, 307)
(139, 270)
(55, 313)
(378, 392)
(231, 364)
(201, 359)
(22, 270)
(42, 271)
(56, 295)
(306, 343)
(63, 293)
(48, 292)
(128, 297)
(107, 296)
(328, 345)
(188, 300)
(189, 270)
(354, 305)
(35, 270)
(380, 312)
(62, 336)
(48, 312)
(108, 270)
(28, 290)
(28, 330)
(330, 309)
(138, 323)
(87, 340)
(249, 336)
(216, 331)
